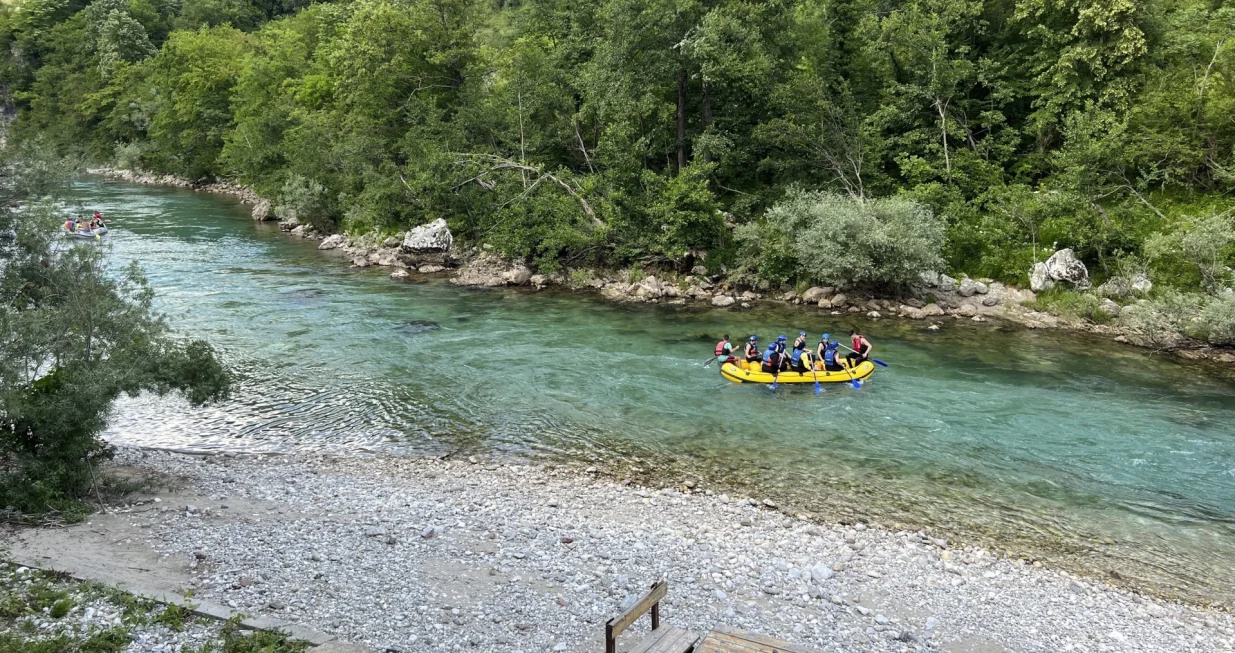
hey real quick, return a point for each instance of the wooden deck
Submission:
(731, 640)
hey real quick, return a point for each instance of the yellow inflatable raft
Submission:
(740, 374)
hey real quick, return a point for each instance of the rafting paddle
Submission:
(873, 360)
(813, 373)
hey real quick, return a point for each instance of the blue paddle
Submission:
(873, 360)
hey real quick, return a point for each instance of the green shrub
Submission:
(1204, 245)
(307, 201)
(61, 608)
(1070, 303)
(828, 238)
(1172, 316)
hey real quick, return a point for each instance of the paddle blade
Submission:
(879, 362)
(857, 385)
(817, 388)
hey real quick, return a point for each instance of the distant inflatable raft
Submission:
(739, 374)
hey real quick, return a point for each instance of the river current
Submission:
(1044, 445)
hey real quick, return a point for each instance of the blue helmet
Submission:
(781, 339)
(826, 336)
(802, 333)
(754, 338)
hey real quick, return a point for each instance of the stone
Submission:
(538, 281)
(517, 276)
(431, 269)
(838, 300)
(262, 212)
(723, 301)
(391, 242)
(969, 288)
(821, 572)
(1109, 307)
(1039, 278)
(399, 275)
(361, 262)
(967, 310)
(932, 310)
(699, 271)
(990, 300)
(946, 283)
(432, 237)
(1064, 267)
(1120, 286)
(816, 293)
(649, 288)
(375, 531)
(333, 242)
(930, 278)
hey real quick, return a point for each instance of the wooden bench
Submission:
(732, 640)
(661, 640)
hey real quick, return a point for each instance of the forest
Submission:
(669, 133)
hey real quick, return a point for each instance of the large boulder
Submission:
(649, 288)
(932, 310)
(432, 237)
(816, 293)
(1064, 267)
(946, 283)
(722, 301)
(262, 211)
(517, 275)
(969, 288)
(334, 242)
(1040, 278)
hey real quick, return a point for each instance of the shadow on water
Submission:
(1041, 444)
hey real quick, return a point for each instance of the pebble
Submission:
(511, 586)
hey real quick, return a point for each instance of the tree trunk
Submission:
(681, 120)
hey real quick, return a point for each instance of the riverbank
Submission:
(935, 301)
(417, 553)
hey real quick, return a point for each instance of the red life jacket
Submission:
(720, 347)
(860, 344)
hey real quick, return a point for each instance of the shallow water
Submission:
(1052, 445)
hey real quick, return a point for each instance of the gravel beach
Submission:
(411, 554)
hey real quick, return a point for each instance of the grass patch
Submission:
(1069, 303)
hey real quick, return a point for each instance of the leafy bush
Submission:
(74, 336)
(1173, 316)
(840, 241)
(1072, 303)
(1204, 244)
(307, 201)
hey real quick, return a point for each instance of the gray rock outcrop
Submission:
(1064, 267)
(428, 238)
(262, 211)
(816, 293)
(334, 242)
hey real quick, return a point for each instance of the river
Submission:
(1047, 445)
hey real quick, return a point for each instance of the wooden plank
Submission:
(732, 640)
(666, 640)
(621, 622)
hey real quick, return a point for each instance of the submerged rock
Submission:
(418, 326)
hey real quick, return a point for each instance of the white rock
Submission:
(432, 237)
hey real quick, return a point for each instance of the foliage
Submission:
(846, 242)
(74, 335)
(626, 132)
(1073, 304)
(1204, 245)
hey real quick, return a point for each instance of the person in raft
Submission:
(724, 350)
(861, 349)
(752, 350)
(773, 360)
(826, 352)
(800, 342)
(799, 360)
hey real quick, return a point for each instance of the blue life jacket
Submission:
(796, 356)
(829, 355)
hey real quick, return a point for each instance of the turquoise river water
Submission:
(1047, 445)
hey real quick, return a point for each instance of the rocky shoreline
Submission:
(430, 250)
(414, 553)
